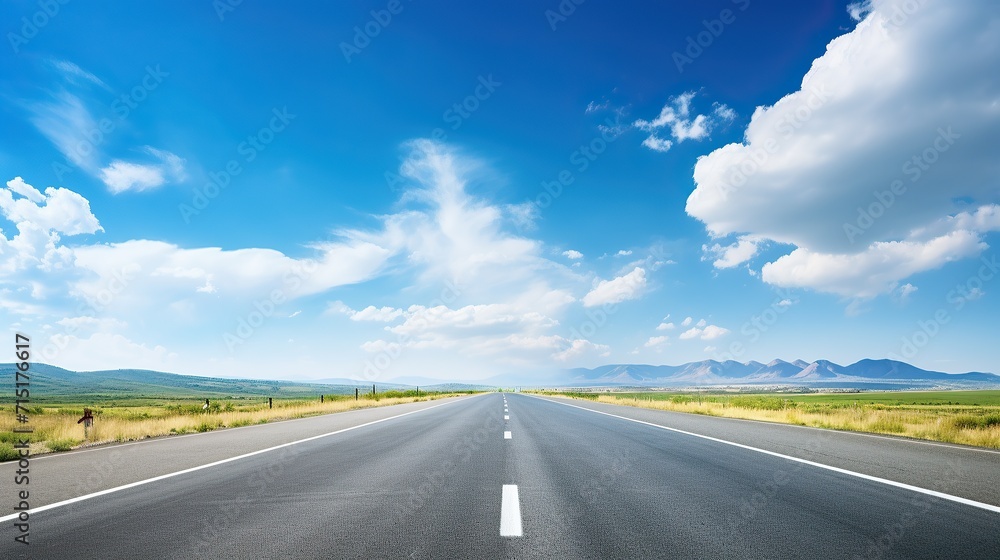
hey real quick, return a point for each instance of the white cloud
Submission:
(733, 255)
(675, 117)
(904, 292)
(102, 350)
(656, 341)
(59, 209)
(858, 10)
(71, 72)
(657, 144)
(372, 313)
(121, 176)
(724, 112)
(622, 288)
(875, 271)
(66, 122)
(571, 254)
(687, 321)
(665, 326)
(701, 323)
(623, 253)
(689, 334)
(595, 107)
(895, 102)
(487, 293)
(709, 332)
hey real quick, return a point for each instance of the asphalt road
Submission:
(456, 479)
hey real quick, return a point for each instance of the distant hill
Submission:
(777, 372)
(50, 383)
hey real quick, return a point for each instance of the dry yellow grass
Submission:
(931, 423)
(56, 429)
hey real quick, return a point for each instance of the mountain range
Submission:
(51, 382)
(776, 372)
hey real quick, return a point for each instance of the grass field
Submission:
(56, 429)
(966, 417)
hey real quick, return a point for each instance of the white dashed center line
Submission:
(506, 435)
(510, 512)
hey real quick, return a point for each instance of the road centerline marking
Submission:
(510, 512)
(507, 435)
(903, 485)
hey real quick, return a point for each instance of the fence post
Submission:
(321, 398)
(355, 393)
(270, 403)
(373, 388)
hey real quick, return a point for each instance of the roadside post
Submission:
(87, 421)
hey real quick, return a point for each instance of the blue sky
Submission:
(385, 189)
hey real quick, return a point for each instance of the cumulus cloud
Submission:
(665, 326)
(709, 332)
(623, 288)
(733, 255)
(875, 271)
(656, 341)
(675, 119)
(573, 255)
(868, 169)
(489, 292)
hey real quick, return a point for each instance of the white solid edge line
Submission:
(510, 512)
(214, 464)
(942, 495)
(160, 439)
(841, 432)
(507, 435)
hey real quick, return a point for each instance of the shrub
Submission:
(971, 422)
(7, 452)
(64, 444)
(760, 403)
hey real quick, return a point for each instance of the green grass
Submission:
(7, 451)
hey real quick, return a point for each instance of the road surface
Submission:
(513, 476)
